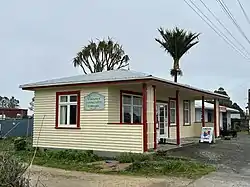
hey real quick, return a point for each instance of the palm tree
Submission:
(103, 55)
(177, 42)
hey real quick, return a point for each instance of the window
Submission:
(68, 109)
(210, 116)
(186, 112)
(172, 110)
(131, 109)
(198, 115)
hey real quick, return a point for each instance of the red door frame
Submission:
(144, 117)
(215, 118)
(155, 141)
(203, 111)
(178, 139)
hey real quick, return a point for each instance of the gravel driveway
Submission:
(231, 157)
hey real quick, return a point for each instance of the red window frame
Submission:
(58, 94)
(189, 112)
(127, 92)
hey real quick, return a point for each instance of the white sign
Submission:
(223, 109)
(207, 134)
(94, 101)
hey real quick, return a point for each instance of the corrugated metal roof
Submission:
(198, 104)
(110, 76)
(113, 75)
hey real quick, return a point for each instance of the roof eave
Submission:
(215, 95)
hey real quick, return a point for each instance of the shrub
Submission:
(133, 157)
(20, 144)
(70, 155)
(12, 172)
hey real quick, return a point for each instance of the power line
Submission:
(244, 12)
(218, 20)
(213, 27)
(231, 17)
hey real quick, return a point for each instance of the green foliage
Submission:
(69, 155)
(103, 55)
(141, 157)
(12, 171)
(6, 102)
(20, 144)
(159, 163)
(133, 157)
(170, 167)
(177, 42)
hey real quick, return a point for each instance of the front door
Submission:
(162, 120)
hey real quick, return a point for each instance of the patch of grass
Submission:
(133, 157)
(63, 159)
(158, 164)
(177, 168)
(150, 164)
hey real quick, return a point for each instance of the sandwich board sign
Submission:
(207, 135)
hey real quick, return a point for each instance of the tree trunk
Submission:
(176, 67)
(175, 77)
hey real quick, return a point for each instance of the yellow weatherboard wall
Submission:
(95, 132)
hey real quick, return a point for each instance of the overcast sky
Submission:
(38, 40)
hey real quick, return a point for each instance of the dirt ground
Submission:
(51, 177)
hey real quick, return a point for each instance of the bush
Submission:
(70, 155)
(20, 144)
(12, 172)
(133, 157)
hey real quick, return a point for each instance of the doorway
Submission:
(162, 120)
(224, 121)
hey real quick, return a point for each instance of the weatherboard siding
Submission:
(94, 134)
(129, 137)
(185, 130)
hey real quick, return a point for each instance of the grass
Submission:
(153, 164)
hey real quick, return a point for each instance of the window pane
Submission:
(172, 115)
(210, 116)
(63, 115)
(72, 114)
(137, 114)
(166, 111)
(126, 114)
(126, 99)
(162, 111)
(137, 100)
(186, 105)
(63, 98)
(73, 98)
(162, 128)
(186, 116)
(172, 104)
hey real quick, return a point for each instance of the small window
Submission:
(63, 98)
(172, 110)
(186, 112)
(131, 109)
(210, 116)
(68, 110)
(73, 98)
